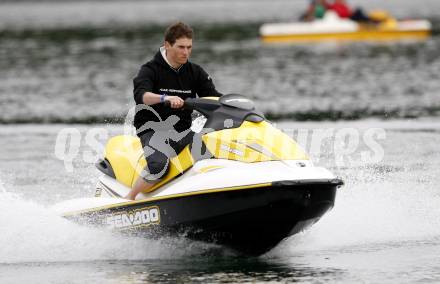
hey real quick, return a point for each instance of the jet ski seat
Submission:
(124, 160)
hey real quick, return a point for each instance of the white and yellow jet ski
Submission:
(251, 187)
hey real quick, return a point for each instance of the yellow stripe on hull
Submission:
(356, 36)
(171, 196)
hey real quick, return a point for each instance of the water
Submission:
(62, 64)
(384, 227)
(70, 65)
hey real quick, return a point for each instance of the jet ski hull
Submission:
(250, 220)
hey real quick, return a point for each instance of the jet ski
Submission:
(248, 188)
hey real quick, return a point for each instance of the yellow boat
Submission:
(333, 28)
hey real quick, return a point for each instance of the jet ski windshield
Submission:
(230, 111)
(237, 101)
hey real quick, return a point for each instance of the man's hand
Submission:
(175, 101)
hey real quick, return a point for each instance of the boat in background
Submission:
(334, 28)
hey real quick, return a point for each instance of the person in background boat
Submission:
(343, 10)
(168, 77)
(315, 10)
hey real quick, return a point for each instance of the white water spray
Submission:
(33, 233)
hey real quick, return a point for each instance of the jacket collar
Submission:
(161, 57)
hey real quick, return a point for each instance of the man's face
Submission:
(179, 52)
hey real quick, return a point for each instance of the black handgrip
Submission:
(189, 103)
(166, 103)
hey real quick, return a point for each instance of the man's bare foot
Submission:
(139, 186)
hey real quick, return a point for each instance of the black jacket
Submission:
(158, 77)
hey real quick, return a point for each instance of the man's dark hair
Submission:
(176, 31)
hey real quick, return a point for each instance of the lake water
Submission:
(70, 65)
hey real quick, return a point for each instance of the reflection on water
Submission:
(231, 270)
(200, 270)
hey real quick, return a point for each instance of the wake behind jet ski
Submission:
(249, 188)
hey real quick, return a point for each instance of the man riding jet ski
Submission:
(241, 183)
(168, 77)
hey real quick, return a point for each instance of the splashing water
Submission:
(371, 213)
(33, 233)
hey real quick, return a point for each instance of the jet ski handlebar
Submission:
(188, 103)
(200, 104)
(235, 107)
